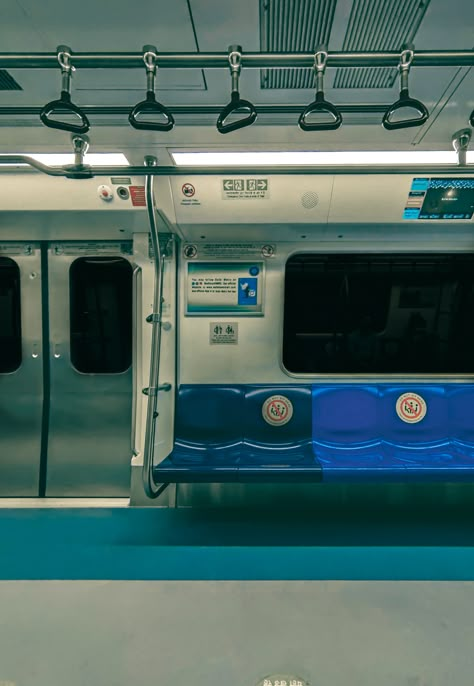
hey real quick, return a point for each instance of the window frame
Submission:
(364, 377)
(20, 315)
(97, 258)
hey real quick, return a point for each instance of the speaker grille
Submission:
(309, 200)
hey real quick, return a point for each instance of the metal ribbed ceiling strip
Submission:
(378, 25)
(7, 82)
(293, 26)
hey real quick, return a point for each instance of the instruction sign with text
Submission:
(223, 333)
(225, 287)
(245, 189)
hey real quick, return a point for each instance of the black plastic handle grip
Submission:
(63, 106)
(148, 107)
(403, 102)
(320, 105)
(235, 104)
(471, 118)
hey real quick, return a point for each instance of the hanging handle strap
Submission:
(320, 105)
(64, 105)
(150, 106)
(404, 100)
(237, 104)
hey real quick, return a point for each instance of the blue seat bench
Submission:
(338, 433)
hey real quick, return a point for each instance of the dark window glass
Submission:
(387, 314)
(101, 314)
(10, 316)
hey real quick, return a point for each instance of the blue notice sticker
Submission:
(247, 291)
(411, 213)
(420, 184)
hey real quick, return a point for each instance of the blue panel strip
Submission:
(155, 544)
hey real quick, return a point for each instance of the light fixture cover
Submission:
(315, 158)
(113, 159)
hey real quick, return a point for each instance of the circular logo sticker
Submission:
(188, 190)
(268, 251)
(277, 410)
(411, 408)
(190, 251)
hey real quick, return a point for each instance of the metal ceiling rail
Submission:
(251, 60)
(121, 110)
(87, 172)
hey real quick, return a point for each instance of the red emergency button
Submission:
(105, 193)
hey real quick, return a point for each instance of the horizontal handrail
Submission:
(220, 60)
(87, 172)
(355, 108)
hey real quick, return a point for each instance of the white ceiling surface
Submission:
(100, 25)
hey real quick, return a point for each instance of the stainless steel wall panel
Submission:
(21, 392)
(89, 449)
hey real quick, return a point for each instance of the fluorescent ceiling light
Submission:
(315, 158)
(111, 159)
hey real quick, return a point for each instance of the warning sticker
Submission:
(245, 189)
(188, 190)
(220, 250)
(93, 248)
(137, 193)
(277, 410)
(15, 249)
(223, 333)
(411, 408)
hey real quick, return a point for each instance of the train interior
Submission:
(242, 362)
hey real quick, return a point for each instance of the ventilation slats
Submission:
(7, 82)
(293, 26)
(378, 25)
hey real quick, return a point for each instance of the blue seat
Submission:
(208, 426)
(368, 441)
(221, 436)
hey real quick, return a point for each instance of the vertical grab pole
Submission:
(152, 489)
(136, 356)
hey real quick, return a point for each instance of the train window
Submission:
(101, 314)
(379, 314)
(10, 316)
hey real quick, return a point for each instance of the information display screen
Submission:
(440, 199)
(225, 288)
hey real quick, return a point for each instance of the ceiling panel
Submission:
(378, 25)
(99, 27)
(31, 25)
(289, 26)
(118, 26)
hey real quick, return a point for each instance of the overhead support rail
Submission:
(253, 60)
(234, 60)
(84, 171)
(188, 110)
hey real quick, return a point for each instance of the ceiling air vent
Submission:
(7, 82)
(293, 26)
(378, 25)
